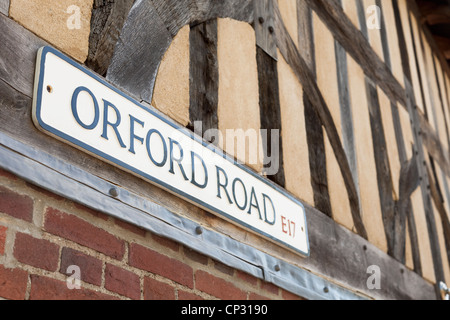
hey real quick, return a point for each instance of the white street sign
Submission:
(78, 107)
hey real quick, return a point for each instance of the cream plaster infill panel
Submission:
(171, 93)
(238, 90)
(63, 23)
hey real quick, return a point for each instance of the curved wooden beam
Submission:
(148, 33)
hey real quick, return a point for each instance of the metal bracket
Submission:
(264, 27)
(445, 291)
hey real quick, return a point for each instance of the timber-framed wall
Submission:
(373, 149)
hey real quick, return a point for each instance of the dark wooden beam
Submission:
(438, 201)
(204, 77)
(270, 114)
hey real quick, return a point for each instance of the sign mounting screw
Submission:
(113, 192)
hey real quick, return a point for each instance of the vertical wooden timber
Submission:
(265, 38)
(314, 130)
(269, 97)
(307, 79)
(438, 200)
(107, 20)
(204, 77)
(419, 152)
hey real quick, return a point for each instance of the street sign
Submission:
(78, 107)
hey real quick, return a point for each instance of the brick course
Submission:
(44, 288)
(90, 267)
(84, 233)
(13, 283)
(122, 282)
(152, 261)
(38, 253)
(218, 287)
(16, 205)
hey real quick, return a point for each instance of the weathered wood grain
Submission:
(270, 114)
(204, 76)
(144, 40)
(409, 182)
(107, 20)
(4, 7)
(317, 158)
(305, 34)
(306, 77)
(18, 55)
(265, 37)
(177, 13)
(438, 200)
(409, 178)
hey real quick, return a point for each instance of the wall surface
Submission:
(363, 118)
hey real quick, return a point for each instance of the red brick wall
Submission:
(42, 234)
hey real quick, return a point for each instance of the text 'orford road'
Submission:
(78, 107)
